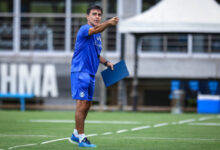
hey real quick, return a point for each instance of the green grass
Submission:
(16, 129)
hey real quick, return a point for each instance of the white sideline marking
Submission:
(53, 121)
(186, 121)
(167, 138)
(121, 131)
(22, 146)
(139, 128)
(87, 121)
(161, 124)
(206, 124)
(91, 135)
(107, 133)
(51, 141)
(174, 123)
(4, 135)
(72, 141)
(1, 149)
(205, 118)
(112, 122)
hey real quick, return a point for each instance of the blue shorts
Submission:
(82, 85)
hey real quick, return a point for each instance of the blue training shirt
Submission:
(87, 51)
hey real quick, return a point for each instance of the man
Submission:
(85, 64)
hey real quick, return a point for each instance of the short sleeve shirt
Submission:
(87, 51)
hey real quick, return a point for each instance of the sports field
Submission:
(40, 130)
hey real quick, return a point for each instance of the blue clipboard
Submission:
(112, 76)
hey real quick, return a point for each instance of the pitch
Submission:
(42, 130)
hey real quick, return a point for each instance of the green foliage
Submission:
(3, 7)
(80, 8)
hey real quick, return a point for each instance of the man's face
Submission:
(94, 17)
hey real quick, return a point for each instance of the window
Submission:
(112, 6)
(43, 6)
(6, 6)
(42, 25)
(200, 43)
(80, 6)
(77, 22)
(42, 33)
(164, 43)
(206, 43)
(111, 38)
(6, 26)
(177, 43)
(215, 43)
(146, 4)
(152, 43)
(6, 32)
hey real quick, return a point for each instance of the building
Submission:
(177, 42)
(37, 41)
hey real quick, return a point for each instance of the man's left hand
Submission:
(111, 65)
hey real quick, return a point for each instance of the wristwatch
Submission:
(106, 63)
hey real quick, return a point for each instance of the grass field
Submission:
(33, 130)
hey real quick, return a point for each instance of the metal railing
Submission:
(45, 32)
(6, 31)
(201, 43)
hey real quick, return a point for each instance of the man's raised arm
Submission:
(101, 27)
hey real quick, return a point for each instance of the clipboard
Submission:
(120, 71)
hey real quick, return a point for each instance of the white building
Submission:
(176, 39)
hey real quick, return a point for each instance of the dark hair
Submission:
(94, 7)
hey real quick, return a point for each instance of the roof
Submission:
(198, 16)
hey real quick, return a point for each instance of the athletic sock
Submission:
(81, 137)
(75, 132)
